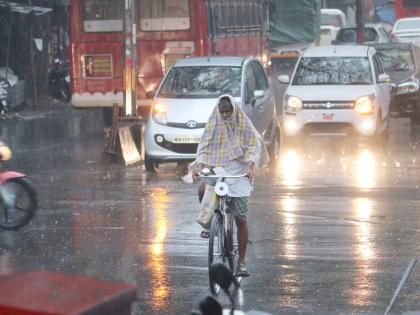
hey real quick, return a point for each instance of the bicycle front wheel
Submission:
(20, 206)
(217, 251)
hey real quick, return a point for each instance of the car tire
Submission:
(274, 151)
(150, 164)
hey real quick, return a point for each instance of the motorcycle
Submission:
(221, 275)
(3, 97)
(18, 199)
(59, 80)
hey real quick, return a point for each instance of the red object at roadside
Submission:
(43, 292)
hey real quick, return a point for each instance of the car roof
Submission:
(211, 61)
(408, 19)
(339, 51)
(332, 11)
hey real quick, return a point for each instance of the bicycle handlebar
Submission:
(223, 176)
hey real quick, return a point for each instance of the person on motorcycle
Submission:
(231, 141)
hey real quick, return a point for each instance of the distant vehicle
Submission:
(188, 95)
(336, 91)
(165, 31)
(399, 62)
(407, 8)
(331, 22)
(406, 30)
(374, 33)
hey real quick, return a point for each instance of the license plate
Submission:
(186, 139)
(328, 116)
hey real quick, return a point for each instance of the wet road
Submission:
(333, 229)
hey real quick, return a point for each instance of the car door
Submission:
(382, 88)
(265, 105)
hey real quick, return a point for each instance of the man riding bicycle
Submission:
(231, 141)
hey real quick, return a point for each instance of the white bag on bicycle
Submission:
(207, 207)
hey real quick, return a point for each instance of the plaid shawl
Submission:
(225, 140)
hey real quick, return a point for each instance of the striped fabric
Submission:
(225, 140)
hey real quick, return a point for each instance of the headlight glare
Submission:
(159, 113)
(293, 104)
(364, 104)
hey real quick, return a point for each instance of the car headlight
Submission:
(407, 87)
(365, 104)
(159, 113)
(293, 104)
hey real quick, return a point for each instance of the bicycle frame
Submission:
(222, 234)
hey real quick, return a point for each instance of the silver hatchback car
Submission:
(187, 96)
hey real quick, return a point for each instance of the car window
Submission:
(377, 67)
(331, 19)
(349, 35)
(201, 82)
(408, 24)
(396, 59)
(333, 71)
(261, 78)
(250, 84)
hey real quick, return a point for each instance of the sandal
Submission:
(242, 271)
(205, 234)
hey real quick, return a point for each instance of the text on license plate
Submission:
(186, 139)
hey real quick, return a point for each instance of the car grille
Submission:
(327, 105)
(183, 148)
(184, 125)
(328, 129)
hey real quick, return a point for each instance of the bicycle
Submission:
(223, 243)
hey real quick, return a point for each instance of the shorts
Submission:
(239, 206)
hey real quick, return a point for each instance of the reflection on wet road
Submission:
(333, 228)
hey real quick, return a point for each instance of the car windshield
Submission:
(349, 35)
(333, 71)
(331, 19)
(396, 59)
(201, 82)
(406, 25)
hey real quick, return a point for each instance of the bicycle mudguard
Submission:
(10, 175)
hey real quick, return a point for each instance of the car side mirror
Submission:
(151, 94)
(383, 78)
(258, 94)
(284, 78)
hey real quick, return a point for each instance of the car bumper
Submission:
(329, 123)
(179, 144)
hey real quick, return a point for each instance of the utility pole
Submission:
(32, 54)
(130, 59)
(360, 21)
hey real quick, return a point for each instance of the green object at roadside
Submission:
(295, 21)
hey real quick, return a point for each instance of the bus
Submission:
(164, 31)
(407, 8)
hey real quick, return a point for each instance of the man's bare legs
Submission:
(242, 235)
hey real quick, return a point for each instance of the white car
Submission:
(188, 95)
(336, 91)
(331, 22)
(406, 30)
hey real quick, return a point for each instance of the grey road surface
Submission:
(333, 226)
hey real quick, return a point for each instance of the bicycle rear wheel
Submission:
(217, 252)
(21, 204)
